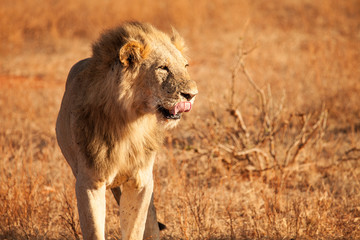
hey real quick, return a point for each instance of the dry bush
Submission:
(70, 218)
(21, 215)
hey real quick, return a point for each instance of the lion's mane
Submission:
(110, 123)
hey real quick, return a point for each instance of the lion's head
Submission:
(147, 70)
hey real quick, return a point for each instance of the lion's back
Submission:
(75, 70)
(65, 120)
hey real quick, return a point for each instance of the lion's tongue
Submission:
(181, 107)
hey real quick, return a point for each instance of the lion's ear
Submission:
(178, 41)
(132, 53)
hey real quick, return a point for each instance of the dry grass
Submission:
(270, 151)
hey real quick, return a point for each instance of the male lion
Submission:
(116, 107)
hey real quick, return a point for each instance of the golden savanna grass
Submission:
(271, 149)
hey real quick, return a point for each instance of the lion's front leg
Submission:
(92, 207)
(134, 205)
(152, 226)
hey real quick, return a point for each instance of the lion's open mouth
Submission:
(166, 113)
(175, 112)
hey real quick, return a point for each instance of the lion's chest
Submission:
(133, 155)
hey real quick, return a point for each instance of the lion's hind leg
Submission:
(152, 226)
(116, 191)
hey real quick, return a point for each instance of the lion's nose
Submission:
(189, 95)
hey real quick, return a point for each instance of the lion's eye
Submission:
(186, 65)
(164, 67)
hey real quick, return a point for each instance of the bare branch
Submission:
(351, 154)
(304, 136)
(254, 85)
(240, 121)
(250, 151)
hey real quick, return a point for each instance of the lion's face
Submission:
(167, 89)
(170, 83)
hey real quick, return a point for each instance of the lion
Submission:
(116, 107)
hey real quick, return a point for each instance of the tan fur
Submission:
(109, 126)
(178, 41)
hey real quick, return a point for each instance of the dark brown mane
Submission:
(106, 49)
